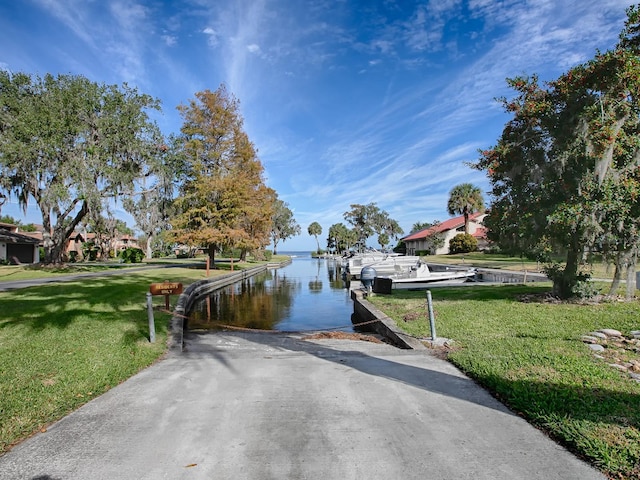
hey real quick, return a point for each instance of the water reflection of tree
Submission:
(259, 303)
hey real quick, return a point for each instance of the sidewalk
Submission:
(275, 406)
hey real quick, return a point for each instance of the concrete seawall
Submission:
(385, 326)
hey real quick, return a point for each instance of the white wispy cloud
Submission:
(212, 36)
(127, 40)
(169, 40)
(72, 13)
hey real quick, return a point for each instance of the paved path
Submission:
(274, 406)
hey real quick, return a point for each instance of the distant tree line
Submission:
(366, 221)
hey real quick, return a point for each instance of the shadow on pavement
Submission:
(369, 359)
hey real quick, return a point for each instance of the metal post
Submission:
(152, 325)
(432, 320)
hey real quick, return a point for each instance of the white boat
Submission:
(421, 277)
(382, 263)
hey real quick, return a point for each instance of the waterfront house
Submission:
(417, 242)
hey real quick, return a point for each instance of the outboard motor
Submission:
(367, 275)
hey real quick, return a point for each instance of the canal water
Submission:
(309, 294)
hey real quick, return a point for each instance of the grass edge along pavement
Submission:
(528, 353)
(63, 344)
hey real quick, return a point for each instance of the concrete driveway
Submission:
(275, 406)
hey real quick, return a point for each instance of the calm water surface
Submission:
(308, 294)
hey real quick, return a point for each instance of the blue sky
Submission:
(346, 101)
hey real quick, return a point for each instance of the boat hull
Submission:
(422, 278)
(424, 283)
(383, 265)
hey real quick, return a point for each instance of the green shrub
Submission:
(578, 287)
(132, 255)
(584, 288)
(90, 251)
(400, 248)
(463, 243)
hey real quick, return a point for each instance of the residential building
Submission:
(16, 247)
(417, 242)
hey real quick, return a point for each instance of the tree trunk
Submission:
(625, 261)
(563, 286)
(631, 278)
(149, 251)
(47, 242)
(617, 274)
(212, 255)
(55, 240)
(55, 253)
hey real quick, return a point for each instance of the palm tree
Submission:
(465, 199)
(315, 229)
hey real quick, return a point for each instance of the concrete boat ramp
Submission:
(245, 405)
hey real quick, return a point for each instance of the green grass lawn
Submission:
(529, 355)
(63, 344)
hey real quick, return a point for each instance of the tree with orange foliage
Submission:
(223, 200)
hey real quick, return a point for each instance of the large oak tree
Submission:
(565, 173)
(71, 145)
(370, 219)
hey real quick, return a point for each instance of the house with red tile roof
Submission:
(417, 241)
